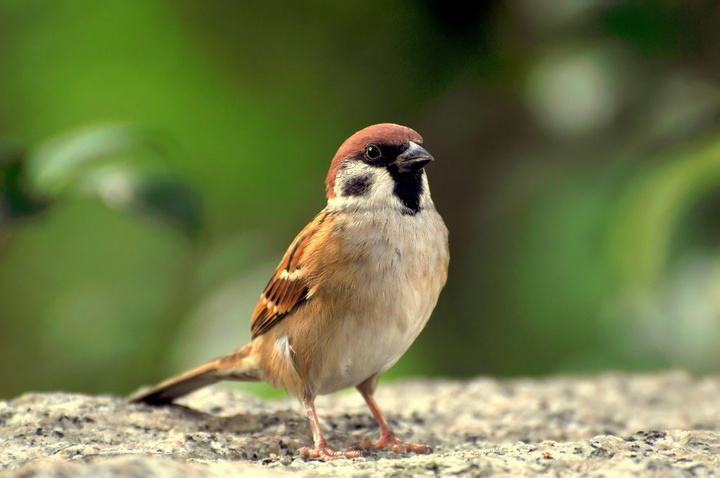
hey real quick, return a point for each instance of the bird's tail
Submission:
(238, 365)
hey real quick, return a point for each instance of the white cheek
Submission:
(347, 172)
(379, 193)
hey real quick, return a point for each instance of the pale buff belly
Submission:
(403, 279)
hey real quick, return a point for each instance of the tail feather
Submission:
(238, 365)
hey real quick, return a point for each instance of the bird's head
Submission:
(382, 162)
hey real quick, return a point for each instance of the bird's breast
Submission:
(396, 268)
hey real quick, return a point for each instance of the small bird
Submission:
(353, 291)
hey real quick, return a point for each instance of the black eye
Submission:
(372, 152)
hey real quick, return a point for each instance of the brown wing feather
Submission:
(290, 286)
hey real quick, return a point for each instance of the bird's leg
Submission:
(320, 450)
(388, 440)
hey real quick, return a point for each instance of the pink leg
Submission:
(320, 450)
(388, 440)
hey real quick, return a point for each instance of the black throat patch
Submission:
(408, 188)
(358, 185)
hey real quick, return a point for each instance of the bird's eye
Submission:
(372, 152)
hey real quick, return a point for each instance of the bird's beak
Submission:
(414, 158)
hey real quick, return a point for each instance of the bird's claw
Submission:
(324, 453)
(391, 442)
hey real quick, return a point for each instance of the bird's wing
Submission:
(292, 284)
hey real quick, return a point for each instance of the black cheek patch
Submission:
(357, 186)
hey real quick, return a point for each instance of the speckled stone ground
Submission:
(609, 425)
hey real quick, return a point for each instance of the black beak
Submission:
(414, 158)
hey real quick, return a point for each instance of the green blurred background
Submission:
(156, 157)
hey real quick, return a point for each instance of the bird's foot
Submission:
(324, 453)
(388, 441)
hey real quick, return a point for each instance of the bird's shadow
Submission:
(281, 432)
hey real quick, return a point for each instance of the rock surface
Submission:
(610, 425)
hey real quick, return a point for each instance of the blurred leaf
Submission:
(54, 166)
(649, 215)
(119, 164)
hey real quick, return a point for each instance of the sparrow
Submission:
(353, 291)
